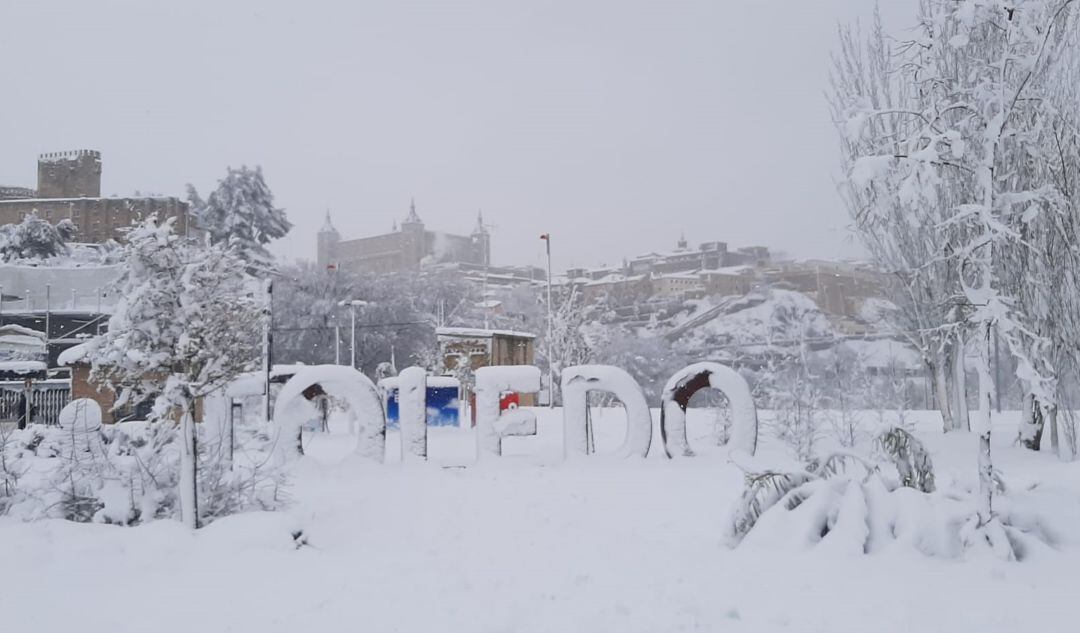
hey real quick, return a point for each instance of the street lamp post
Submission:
(353, 305)
(551, 371)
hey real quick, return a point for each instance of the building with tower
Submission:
(69, 188)
(409, 246)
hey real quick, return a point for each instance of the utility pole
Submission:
(551, 371)
(268, 344)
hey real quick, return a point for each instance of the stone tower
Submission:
(327, 245)
(74, 174)
(413, 238)
(481, 241)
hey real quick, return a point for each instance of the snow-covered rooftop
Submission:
(465, 332)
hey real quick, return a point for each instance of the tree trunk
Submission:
(941, 391)
(1031, 423)
(961, 418)
(189, 497)
(983, 420)
(1055, 443)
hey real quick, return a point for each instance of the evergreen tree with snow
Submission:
(241, 212)
(186, 323)
(35, 238)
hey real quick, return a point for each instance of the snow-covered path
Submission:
(516, 545)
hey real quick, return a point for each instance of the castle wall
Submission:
(98, 219)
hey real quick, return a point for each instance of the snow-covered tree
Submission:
(965, 130)
(565, 344)
(241, 212)
(186, 323)
(35, 238)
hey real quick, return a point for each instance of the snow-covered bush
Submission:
(865, 504)
(34, 238)
(128, 473)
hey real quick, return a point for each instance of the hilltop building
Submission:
(69, 187)
(683, 273)
(406, 248)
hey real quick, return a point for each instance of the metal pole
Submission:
(352, 344)
(1, 305)
(337, 344)
(48, 310)
(550, 323)
(28, 390)
(268, 341)
(74, 299)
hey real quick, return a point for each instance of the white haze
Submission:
(613, 125)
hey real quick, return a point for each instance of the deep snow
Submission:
(527, 542)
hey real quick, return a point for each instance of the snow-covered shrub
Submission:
(909, 456)
(800, 402)
(34, 238)
(853, 504)
(128, 473)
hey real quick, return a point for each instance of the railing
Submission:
(47, 399)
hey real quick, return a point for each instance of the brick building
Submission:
(69, 187)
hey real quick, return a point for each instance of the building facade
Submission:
(407, 247)
(69, 188)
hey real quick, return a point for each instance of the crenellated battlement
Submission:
(73, 154)
(70, 174)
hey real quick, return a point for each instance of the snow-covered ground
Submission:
(528, 542)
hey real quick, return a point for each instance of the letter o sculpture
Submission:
(342, 381)
(684, 384)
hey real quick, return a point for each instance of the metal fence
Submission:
(47, 399)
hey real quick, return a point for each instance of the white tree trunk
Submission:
(189, 498)
(941, 389)
(986, 406)
(961, 417)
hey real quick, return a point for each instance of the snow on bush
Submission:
(862, 505)
(684, 384)
(491, 423)
(127, 473)
(34, 239)
(577, 382)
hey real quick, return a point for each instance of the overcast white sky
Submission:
(612, 124)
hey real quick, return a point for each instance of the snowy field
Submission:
(530, 543)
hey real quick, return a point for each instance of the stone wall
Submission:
(98, 219)
(75, 174)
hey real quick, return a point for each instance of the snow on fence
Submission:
(48, 398)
